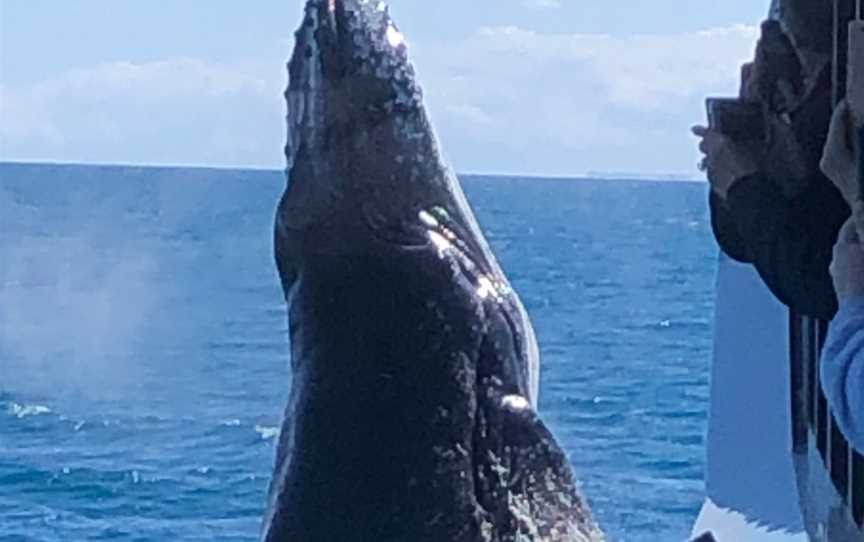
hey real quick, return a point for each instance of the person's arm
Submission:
(791, 241)
(843, 355)
(726, 231)
(843, 370)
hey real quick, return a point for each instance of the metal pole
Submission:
(855, 95)
(855, 87)
(835, 66)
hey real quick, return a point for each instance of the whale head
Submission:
(364, 166)
(412, 411)
(363, 159)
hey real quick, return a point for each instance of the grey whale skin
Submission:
(412, 412)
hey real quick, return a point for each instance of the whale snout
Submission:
(350, 81)
(353, 41)
(362, 156)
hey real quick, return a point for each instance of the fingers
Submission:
(840, 254)
(848, 233)
(748, 81)
(787, 90)
(847, 247)
(701, 131)
(747, 70)
(838, 158)
(841, 125)
(712, 143)
(706, 133)
(706, 143)
(847, 269)
(858, 217)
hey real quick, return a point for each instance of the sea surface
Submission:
(143, 348)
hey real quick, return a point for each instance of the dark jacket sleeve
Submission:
(726, 231)
(790, 242)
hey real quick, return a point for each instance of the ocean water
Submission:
(143, 353)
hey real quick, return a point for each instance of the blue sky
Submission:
(550, 87)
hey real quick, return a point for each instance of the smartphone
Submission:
(737, 119)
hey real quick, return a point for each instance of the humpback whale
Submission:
(412, 413)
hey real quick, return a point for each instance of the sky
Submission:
(535, 87)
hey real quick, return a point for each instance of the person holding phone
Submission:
(771, 206)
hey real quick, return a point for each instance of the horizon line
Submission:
(591, 176)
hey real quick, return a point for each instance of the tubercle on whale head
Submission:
(358, 135)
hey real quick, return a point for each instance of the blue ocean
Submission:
(144, 357)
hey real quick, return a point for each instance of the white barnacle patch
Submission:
(485, 287)
(394, 37)
(520, 508)
(503, 288)
(427, 218)
(440, 242)
(515, 402)
(497, 466)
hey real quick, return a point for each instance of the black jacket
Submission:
(790, 242)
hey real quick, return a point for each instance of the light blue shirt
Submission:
(843, 370)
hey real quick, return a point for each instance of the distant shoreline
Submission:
(594, 177)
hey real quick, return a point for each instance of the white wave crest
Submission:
(23, 411)
(267, 433)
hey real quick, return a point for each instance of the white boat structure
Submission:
(778, 467)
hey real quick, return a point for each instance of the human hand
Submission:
(839, 161)
(777, 74)
(858, 217)
(749, 82)
(774, 80)
(726, 162)
(847, 268)
(790, 165)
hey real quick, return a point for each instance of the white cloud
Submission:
(542, 4)
(639, 70)
(172, 111)
(579, 102)
(556, 103)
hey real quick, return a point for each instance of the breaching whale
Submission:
(412, 412)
